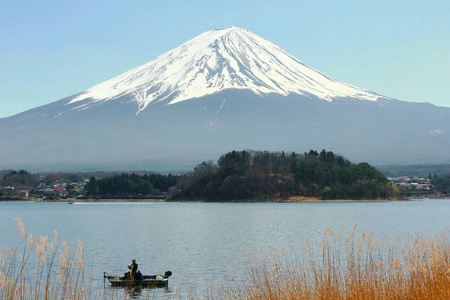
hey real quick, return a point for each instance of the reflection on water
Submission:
(137, 293)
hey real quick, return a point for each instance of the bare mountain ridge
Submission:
(224, 90)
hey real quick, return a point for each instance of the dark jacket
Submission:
(133, 267)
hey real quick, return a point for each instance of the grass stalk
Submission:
(357, 267)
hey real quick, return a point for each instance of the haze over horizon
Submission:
(55, 50)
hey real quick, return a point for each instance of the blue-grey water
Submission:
(203, 243)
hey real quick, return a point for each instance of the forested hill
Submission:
(253, 175)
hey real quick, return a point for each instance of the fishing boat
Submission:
(145, 281)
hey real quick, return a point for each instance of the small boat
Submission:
(145, 281)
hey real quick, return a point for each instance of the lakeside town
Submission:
(63, 187)
(22, 185)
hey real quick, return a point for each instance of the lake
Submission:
(203, 243)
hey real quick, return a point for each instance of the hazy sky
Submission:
(52, 49)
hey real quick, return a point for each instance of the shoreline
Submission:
(300, 199)
(293, 199)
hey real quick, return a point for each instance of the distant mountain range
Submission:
(226, 89)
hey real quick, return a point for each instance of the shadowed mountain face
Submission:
(224, 90)
(176, 137)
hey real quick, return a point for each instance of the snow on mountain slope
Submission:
(217, 60)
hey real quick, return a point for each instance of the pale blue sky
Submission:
(52, 49)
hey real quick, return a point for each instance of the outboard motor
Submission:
(167, 274)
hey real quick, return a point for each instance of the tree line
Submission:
(130, 184)
(19, 179)
(247, 175)
(441, 183)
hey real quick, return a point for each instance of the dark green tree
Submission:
(92, 186)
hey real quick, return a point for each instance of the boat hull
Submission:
(147, 281)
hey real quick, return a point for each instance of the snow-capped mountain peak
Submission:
(229, 58)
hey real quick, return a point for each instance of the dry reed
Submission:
(41, 269)
(48, 269)
(354, 267)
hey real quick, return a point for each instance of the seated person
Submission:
(133, 269)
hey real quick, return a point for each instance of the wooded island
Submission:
(262, 175)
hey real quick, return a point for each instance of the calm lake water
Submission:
(202, 243)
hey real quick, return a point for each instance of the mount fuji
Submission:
(226, 89)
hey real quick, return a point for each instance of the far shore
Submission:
(292, 199)
(295, 199)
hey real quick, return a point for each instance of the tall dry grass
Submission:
(42, 269)
(48, 269)
(352, 267)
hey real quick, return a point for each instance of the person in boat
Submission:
(133, 270)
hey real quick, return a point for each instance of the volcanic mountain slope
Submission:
(231, 58)
(226, 89)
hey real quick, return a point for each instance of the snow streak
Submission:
(230, 58)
